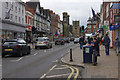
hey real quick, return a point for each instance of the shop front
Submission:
(12, 31)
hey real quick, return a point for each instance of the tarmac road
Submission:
(34, 65)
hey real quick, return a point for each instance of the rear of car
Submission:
(59, 42)
(14, 47)
(43, 42)
(67, 40)
(76, 40)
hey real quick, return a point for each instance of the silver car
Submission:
(43, 42)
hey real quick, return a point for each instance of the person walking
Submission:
(81, 41)
(106, 42)
(98, 41)
(116, 46)
(95, 50)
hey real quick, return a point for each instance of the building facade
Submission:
(66, 24)
(91, 26)
(13, 20)
(76, 29)
(29, 19)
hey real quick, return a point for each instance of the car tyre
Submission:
(3, 55)
(51, 46)
(20, 54)
(36, 47)
(29, 51)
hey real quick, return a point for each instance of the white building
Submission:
(14, 27)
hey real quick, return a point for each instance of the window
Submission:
(22, 11)
(22, 20)
(6, 4)
(29, 21)
(111, 13)
(15, 18)
(11, 16)
(19, 19)
(16, 9)
(26, 18)
(19, 10)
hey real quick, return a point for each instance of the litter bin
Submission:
(87, 54)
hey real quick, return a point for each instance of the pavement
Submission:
(107, 66)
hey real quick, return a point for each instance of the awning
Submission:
(28, 28)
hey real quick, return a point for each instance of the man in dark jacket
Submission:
(106, 42)
(95, 45)
(81, 41)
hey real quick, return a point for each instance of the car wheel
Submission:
(3, 55)
(29, 51)
(20, 54)
(36, 47)
(51, 46)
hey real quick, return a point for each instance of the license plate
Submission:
(40, 43)
(8, 49)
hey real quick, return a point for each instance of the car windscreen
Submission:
(12, 42)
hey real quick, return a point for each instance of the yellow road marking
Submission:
(77, 73)
(70, 73)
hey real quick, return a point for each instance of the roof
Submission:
(33, 5)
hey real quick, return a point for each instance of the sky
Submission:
(77, 9)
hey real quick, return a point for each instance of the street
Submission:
(36, 64)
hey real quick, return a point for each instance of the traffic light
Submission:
(33, 30)
(82, 28)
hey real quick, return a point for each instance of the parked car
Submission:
(76, 40)
(15, 47)
(72, 39)
(59, 42)
(67, 40)
(43, 42)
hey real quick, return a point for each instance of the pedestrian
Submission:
(116, 46)
(81, 41)
(95, 50)
(89, 40)
(106, 42)
(98, 40)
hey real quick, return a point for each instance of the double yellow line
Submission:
(72, 69)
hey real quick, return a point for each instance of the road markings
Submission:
(57, 75)
(35, 54)
(61, 68)
(71, 72)
(77, 73)
(43, 76)
(53, 67)
(55, 61)
(17, 60)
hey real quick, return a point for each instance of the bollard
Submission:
(71, 55)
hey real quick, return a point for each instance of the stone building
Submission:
(66, 24)
(76, 28)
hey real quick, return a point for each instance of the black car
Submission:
(15, 47)
(59, 42)
(67, 40)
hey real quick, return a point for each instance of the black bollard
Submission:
(71, 55)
